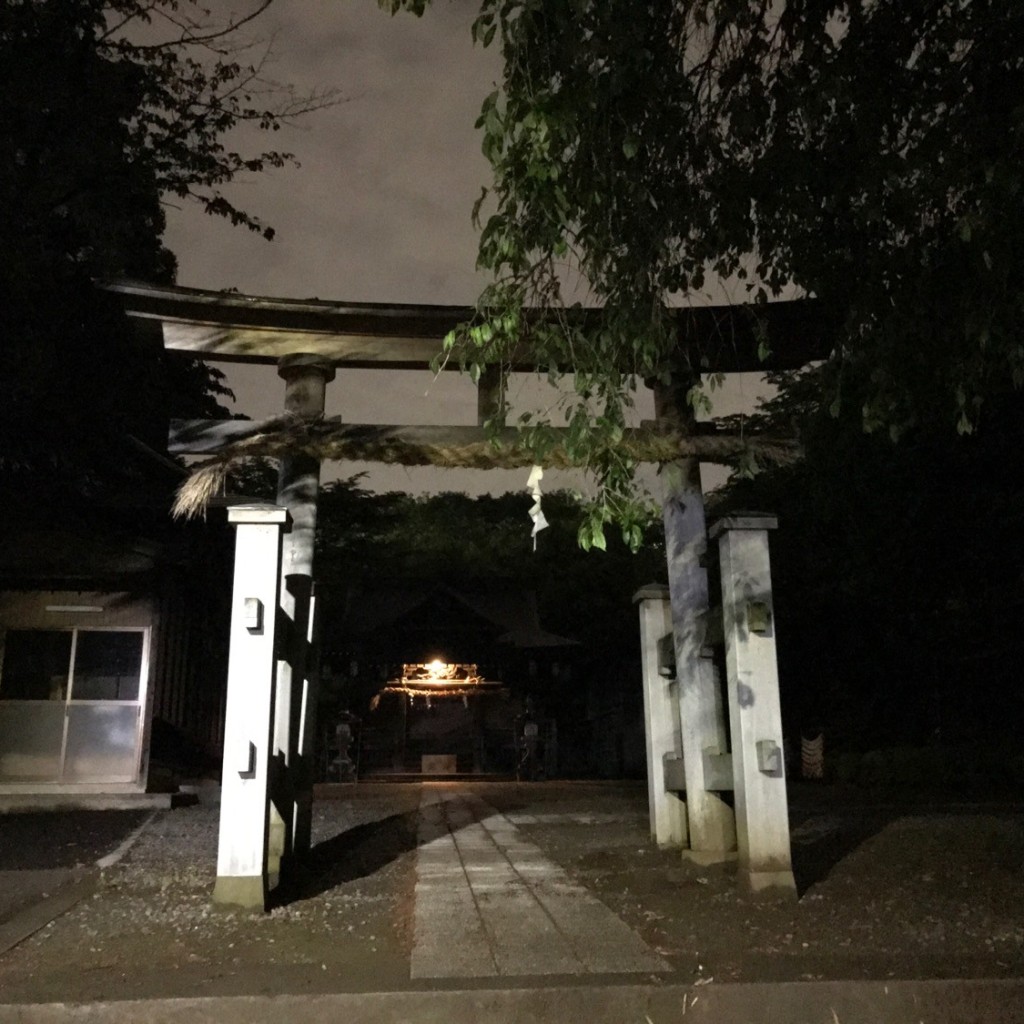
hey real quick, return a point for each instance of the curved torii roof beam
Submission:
(230, 327)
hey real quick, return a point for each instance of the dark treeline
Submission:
(899, 577)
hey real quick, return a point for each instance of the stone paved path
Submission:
(489, 903)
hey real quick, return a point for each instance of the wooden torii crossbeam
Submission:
(461, 447)
(229, 327)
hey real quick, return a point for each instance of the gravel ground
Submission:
(884, 893)
(150, 928)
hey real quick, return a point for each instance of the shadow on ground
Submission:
(31, 840)
(353, 854)
(364, 850)
(815, 856)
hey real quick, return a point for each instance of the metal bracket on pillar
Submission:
(248, 761)
(759, 617)
(667, 656)
(252, 614)
(717, 771)
(769, 757)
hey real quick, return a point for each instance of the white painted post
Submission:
(244, 808)
(661, 718)
(701, 710)
(755, 715)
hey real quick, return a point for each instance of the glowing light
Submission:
(437, 679)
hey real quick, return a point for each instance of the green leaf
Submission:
(583, 535)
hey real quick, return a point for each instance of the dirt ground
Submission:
(886, 891)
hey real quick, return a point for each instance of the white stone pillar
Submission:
(755, 716)
(661, 718)
(306, 378)
(701, 709)
(244, 808)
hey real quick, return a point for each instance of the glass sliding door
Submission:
(71, 704)
(103, 709)
(34, 681)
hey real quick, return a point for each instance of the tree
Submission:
(457, 540)
(108, 107)
(868, 153)
(896, 576)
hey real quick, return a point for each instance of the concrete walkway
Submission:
(490, 904)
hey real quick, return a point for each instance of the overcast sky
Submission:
(378, 211)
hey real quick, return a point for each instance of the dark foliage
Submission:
(898, 572)
(451, 538)
(104, 108)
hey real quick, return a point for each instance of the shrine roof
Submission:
(229, 326)
(371, 610)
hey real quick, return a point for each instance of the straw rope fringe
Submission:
(388, 445)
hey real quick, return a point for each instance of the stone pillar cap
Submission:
(258, 513)
(743, 521)
(651, 592)
(302, 362)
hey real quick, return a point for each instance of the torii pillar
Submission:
(306, 377)
(702, 713)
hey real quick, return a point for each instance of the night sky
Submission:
(378, 211)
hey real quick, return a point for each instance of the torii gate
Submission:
(270, 726)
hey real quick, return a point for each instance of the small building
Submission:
(437, 670)
(111, 661)
(76, 690)
(443, 719)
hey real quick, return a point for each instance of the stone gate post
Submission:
(242, 850)
(661, 716)
(755, 716)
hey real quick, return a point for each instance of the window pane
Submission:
(102, 743)
(30, 740)
(35, 664)
(108, 665)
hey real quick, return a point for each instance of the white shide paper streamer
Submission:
(533, 486)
